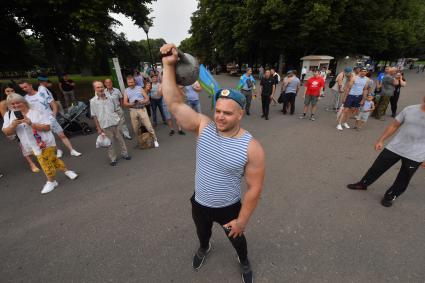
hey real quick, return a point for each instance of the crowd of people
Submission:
(354, 93)
(31, 119)
(226, 152)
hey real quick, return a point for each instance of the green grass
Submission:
(54, 79)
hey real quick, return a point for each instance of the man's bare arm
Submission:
(185, 115)
(254, 176)
(54, 107)
(348, 88)
(125, 100)
(389, 131)
(98, 128)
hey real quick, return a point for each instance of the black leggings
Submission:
(205, 216)
(265, 104)
(394, 101)
(385, 161)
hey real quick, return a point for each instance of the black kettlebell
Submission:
(187, 68)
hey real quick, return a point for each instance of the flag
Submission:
(208, 83)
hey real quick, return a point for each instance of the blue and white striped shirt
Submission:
(220, 166)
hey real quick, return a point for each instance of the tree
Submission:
(254, 31)
(61, 24)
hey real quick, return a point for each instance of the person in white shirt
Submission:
(44, 103)
(9, 89)
(33, 129)
(303, 73)
(105, 114)
(117, 96)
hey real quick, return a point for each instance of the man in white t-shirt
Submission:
(303, 73)
(43, 102)
(33, 129)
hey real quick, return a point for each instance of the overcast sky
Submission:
(171, 21)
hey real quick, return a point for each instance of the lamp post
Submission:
(146, 27)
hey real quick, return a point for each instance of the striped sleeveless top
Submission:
(220, 166)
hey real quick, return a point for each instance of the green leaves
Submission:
(67, 26)
(254, 31)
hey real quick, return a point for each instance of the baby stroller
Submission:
(72, 123)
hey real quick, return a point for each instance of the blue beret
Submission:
(238, 97)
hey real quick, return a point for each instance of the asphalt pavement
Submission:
(132, 222)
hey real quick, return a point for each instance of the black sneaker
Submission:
(246, 272)
(127, 157)
(199, 257)
(182, 133)
(113, 163)
(357, 186)
(171, 133)
(387, 201)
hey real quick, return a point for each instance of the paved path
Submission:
(132, 223)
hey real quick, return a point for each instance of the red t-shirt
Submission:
(314, 85)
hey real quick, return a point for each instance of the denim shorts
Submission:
(310, 99)
(353, 101)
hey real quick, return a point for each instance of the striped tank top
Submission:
(220, 166)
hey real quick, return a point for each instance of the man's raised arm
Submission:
(185, 116)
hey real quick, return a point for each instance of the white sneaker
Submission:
(49, 186)
(346, 126)
(339, 127)
(71, 174)
(59, 153)
(156, 143)
(75, 153)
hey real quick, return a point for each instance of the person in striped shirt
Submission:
(225, 153)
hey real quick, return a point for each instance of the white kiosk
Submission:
(315, 62)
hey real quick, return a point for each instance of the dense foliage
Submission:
(259, 31)
(71, 35)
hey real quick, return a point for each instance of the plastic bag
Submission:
(103, 141)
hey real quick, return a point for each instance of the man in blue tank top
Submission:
(354, 96)
(225, 153)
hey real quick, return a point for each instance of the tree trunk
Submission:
(51, 43)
